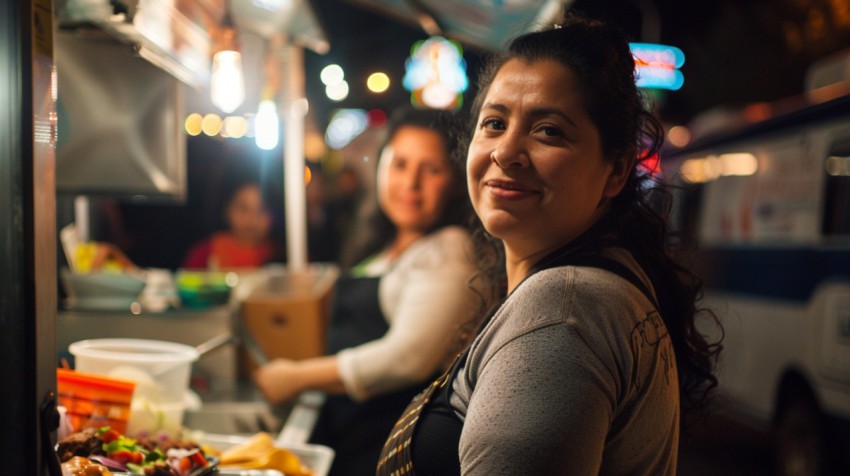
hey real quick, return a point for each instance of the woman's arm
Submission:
(541, 405)
(433, 299)
(431, 307)
(283, 379)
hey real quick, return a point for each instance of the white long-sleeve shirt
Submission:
(425, 296)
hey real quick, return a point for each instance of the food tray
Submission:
(316, 457)
(209, 469)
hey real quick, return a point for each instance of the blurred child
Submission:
(247, 242)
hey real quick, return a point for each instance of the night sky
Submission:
(738, 51)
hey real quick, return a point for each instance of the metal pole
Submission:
(294, 107)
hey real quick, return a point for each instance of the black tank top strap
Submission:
(618, 268)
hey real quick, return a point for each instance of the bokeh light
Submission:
(267, 126)
(193, 124)
(378, 82)
(235, 126)
(345, 125)
(337, 92)
(211, 124)
(332, 74)
(314, 146)
(679, 136)
(376, 118)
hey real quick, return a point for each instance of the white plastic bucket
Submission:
(160, 369)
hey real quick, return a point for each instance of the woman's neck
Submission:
(520, 261)
(518, 266)
(521, 256)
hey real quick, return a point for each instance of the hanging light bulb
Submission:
(266, 125)
(227, 82)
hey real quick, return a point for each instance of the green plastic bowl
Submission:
(203, 288)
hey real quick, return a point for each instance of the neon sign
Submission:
(436, 73)
(657, 66)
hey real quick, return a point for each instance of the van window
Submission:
(836, 209)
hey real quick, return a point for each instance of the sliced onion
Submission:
(175, 455)
(109, 463)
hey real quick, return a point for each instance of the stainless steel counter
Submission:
(231, 404)
(191, 326)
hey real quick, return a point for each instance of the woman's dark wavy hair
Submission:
(375, 230)
(603, 68)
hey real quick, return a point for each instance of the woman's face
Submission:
(249, 219)
(536, 173)
(414, 179)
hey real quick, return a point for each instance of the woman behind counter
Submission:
(247, 242)
(585, 367)
(398, 310)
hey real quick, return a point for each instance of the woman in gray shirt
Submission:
(588, 364)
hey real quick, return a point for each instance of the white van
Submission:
(769, 204)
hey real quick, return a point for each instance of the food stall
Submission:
(112, 128)
(124, 78)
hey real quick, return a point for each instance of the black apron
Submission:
(357, 430)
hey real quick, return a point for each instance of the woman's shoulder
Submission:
(613, 262)
(198, 253)
(450, 238)
(451, 233)
(447, 245)
(590, 304)
(585, 290)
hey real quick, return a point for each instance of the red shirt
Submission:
(226, 252)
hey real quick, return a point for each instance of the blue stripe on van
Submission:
(780, 273)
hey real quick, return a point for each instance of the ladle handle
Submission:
(203, 348)
(215, 343)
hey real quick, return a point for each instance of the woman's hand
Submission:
(279, 380)
(283, 379)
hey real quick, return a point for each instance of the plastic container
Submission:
(101, 290)
(160, 370)
(204, 288)
(93, 401)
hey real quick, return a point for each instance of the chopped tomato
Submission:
(127, 456)
(109, 436)
(198, 459)
(122, 456)
(185, 465)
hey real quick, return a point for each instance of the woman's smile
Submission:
(509, 190)
(409, 201)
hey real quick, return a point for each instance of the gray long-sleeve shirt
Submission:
(574, 375)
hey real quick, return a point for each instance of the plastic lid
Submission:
(134, 350)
